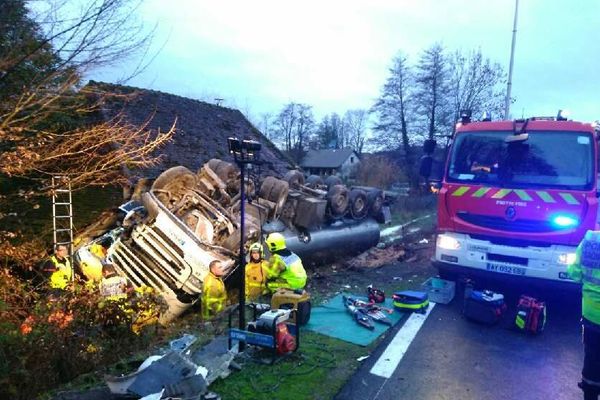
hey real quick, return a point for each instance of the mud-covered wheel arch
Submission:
(274, 190)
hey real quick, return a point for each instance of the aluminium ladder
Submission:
(62, 212)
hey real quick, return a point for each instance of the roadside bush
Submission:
(47, 340)
(379, 172)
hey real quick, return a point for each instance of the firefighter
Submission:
(256, 273)
(586, 270)
(58, 267)
(214, 295)
(285, 268)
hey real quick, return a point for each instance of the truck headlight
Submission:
(447, 242)
(566, 258)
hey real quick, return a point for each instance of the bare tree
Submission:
(355, 122)
(266, 125)
(475, 84)
(431, 80)
(285, 124)
(45, 117)
(394, 106)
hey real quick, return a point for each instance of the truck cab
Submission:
(517, 197)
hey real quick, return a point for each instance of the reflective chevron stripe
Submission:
(545, 196)
(460, 191)
(568, 197)
(523, 195)
(502, 193)
(481, 191)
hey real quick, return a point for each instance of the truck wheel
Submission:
(332, 180)
(374, 201)
(279, 193)
(358, 203)
(337, 198)
(314, 181)
(266, 187)
(294, 178)
(169, 185)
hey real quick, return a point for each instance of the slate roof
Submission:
(328, 158)
(201, 133)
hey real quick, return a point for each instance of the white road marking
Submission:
(392, 355)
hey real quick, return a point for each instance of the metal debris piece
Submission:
(169, 369)
(183, 343)
(216, 357)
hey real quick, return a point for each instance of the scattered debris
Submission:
(423, 241)
(377, 257)
(183, 343)
(359, 359)
(397, 278)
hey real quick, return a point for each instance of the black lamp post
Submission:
(244, 152)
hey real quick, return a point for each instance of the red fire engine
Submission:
(517, 197)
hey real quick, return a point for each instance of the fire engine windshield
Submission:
(543, 159)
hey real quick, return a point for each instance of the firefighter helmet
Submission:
(256, 246)
(275, 241)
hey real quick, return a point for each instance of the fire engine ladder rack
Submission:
(62, 212)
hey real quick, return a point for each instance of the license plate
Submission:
(505, 269)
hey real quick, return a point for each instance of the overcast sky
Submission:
(335, 55)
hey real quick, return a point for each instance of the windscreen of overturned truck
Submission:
(561, 160)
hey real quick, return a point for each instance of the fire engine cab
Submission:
(516, 197)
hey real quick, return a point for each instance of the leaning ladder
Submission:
(62, 212)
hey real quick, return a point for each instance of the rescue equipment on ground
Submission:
(411, 300)
(486, 306)
(289, 299)
(375, 295)
(531, 315)
(274, 330)
(361, 309)
(359, 314)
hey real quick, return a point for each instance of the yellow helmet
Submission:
(275, 241)
(256, 246)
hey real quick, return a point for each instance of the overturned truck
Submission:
(171, 229)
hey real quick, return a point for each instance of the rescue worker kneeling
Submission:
(285, 268)
(214, 295)
(586, 270)
(256, 273)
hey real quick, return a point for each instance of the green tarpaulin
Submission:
(332, 319)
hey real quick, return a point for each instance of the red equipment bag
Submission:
(531, 315)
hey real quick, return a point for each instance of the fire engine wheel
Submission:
(169, 185)
(294, 178)
(374, 202)
(332, 180)
(314, 181)
(358, 203)
(337, 197)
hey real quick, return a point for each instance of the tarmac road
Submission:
(451, 358)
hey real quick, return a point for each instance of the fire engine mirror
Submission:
(521, 137)
(429, 146)
(426, 166)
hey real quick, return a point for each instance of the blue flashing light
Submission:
(565, 221)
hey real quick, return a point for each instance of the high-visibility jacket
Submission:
(214, 295)
(61, 276)
(288, 270)
(256, 278)
(586, 269)
(114, 288)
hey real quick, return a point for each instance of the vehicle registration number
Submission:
(505, 269)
